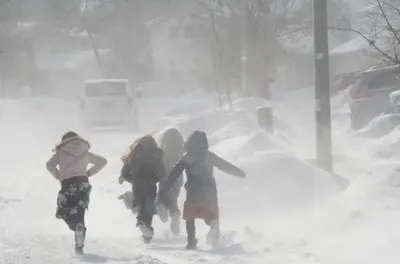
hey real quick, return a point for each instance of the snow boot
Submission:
(162, 212)
(175, 225)
(79, 251)
(128, 200)
(192, 243)
(147, 232)
(58, 214)
(80, 233)
(214, 234)
(147, 240)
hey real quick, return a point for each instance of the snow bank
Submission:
(265, 217)
(378, 127)
(275, 175)
(286, 181)
(367, 212)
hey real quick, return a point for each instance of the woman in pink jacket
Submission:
(72, 157)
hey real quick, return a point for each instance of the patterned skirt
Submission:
(73, 199)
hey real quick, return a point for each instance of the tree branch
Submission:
(387, 21)
(371, 42)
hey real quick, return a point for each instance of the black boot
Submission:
(191, 231)
(192, 243)
(147, 232)
(147, 240)
(79, 251)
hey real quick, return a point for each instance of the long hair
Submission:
(127, 155)
(144, 145)
(172, 139)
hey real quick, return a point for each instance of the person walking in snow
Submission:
(144, 168)
(172, 143)
(72, 156)
(201, 188)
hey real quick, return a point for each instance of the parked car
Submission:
(105, 102)
(369, 96)
(342, 81)
(395, 101)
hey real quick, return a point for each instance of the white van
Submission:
(106, 102)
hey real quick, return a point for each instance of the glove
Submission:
(124, 158)
(121, 180)
(242, 174)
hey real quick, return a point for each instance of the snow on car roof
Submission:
(379, 69)
(107, 81)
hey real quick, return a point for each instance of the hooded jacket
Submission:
(198, 163)
(72, 157)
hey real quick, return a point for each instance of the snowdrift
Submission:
(379, 126)
(285, 211)
(277, 179)
(274, 172)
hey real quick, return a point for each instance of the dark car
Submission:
(369, 96)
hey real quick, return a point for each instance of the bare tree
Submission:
(87, 6)
(253, 25)
(381, 29)
(122, 25)
(224, 43)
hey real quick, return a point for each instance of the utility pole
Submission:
(243, 57)
(322, 91)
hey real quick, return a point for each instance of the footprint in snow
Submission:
(309, 255)
(252, 234)
(267, 250)
(4, 202)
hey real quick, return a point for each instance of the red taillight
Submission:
(358, 95)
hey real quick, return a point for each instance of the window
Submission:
(175, 76)
(174, 32)
(188, 32)
(384, 80)
(105, 89)
(171, 63)
(192, 31)
(203, 31)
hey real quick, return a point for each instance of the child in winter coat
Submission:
(172, 144)
(144, 168)
(72, 157)
(201, 188)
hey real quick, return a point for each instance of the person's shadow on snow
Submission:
(234, 249)
(95, 258)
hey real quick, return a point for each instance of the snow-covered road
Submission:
(284, 212)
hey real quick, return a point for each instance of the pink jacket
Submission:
(72, 158)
